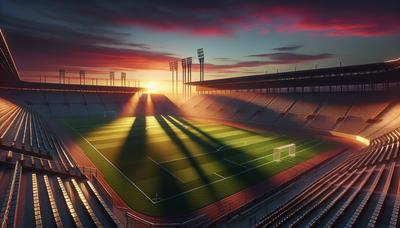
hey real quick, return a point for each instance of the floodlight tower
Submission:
(123, 79)
(200, 55)
(61, 74)
(171, 68)
(189, 68)
(176, 75)
(112, 78)
(81, 77)
(183, 76)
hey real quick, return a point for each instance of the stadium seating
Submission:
(301, 109)
(39, 180)
(73, 104)
(367, 115)
(25, 132)
(362, 192)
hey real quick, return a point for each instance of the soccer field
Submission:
(168, 165)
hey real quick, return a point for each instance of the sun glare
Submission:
(152, 87)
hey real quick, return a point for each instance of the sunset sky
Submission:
(238, 37)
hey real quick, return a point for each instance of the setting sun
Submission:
(152, 87)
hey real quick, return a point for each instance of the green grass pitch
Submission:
(168, 165)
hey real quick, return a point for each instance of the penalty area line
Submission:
(235, 163)
(219, 175)
(116, 168)
(165, 169)
(236, 174)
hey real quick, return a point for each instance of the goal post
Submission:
(292, 150)
(277, 152)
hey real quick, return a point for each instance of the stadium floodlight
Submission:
(189, 71)
(112, 78)
(183, 76)
(277, 151)
(171, 68)
(200, 55)
(61, 76)
(123, 79)
(176, 75)
(81, 77)
(189, 60)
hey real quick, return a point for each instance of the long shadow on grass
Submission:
(207, 146)
(182, 121)
(182, 148)
(248, 178)
(135, 163)
(225, 187)
(181, 203)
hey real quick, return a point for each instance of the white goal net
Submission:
(278, 151)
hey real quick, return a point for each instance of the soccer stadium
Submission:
(312, 147)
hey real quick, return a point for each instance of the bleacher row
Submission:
(40, 200)
(363, 191)
(368, 115)
(37, 163)
(40, 185)
(80, 104)
(25, 132)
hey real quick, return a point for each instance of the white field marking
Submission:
(258, 158)
(219, 175)
(165, 169)
(235, 163)
(192, 124)
(160, 134)
(236, 174)
(127, 178)
(245, 143)
(203, 154)
(112, 127)
(241, 144)
(161, 138)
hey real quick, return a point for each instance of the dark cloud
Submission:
(278, 58)
(219, 18)
(293, 57)
(58, 30)
(49, 55)
(288, 48)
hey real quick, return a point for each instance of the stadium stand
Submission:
(324, 112)
(360, 113)
(41, 160)
(361, 192)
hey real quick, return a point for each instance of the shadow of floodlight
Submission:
(216, 155)
(236, 179)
